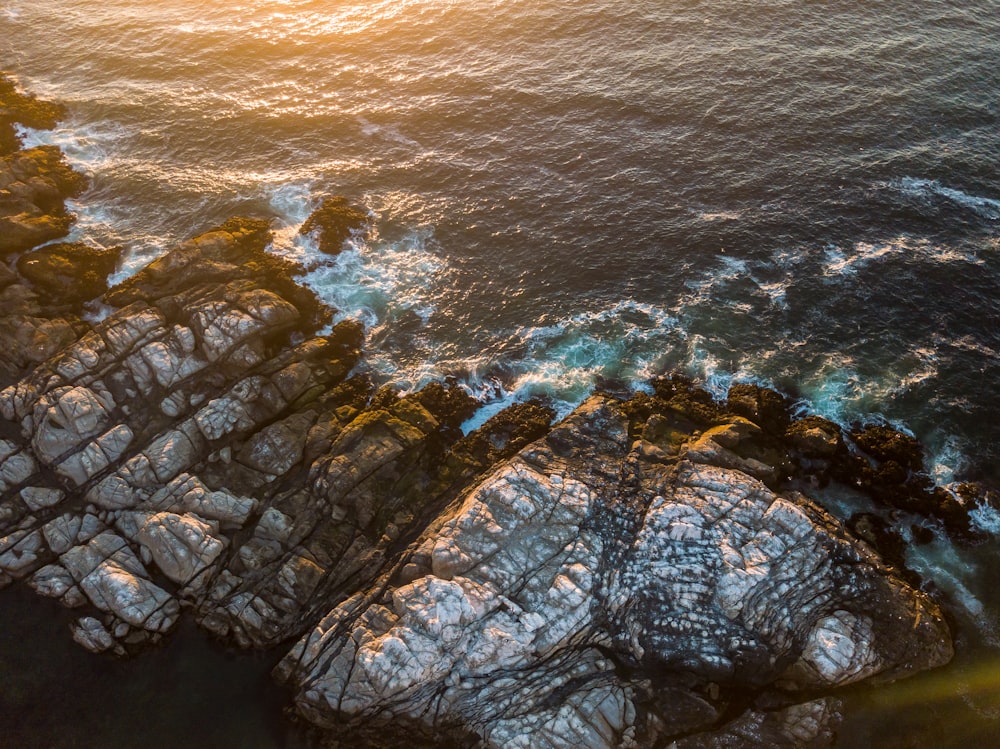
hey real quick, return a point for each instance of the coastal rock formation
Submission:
(68, 273)
(33, 185)
(648, 570)
(626, 577)
(550, 604)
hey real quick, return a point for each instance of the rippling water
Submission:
(802, 194)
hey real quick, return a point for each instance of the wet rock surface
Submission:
(649, 570)
(558, 597)
(334, 222)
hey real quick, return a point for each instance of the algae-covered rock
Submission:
(33, 185)
(334, 222)
(19, 107)
(69, 273)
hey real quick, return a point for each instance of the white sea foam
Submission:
(946, 459)
(88, 147)
(292, 202)
(719, 215)
(985, 207)
(954, 572)
(986, 519)
(840, 262)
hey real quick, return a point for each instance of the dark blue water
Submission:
(801, 194)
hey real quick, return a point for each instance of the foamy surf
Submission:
(931, 188)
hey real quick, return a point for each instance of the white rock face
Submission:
(222, 325)
(518, 611)
(20, 551)
(52, 581)
(37, 498)
(114, 580)
(182, 546)
(62, 533)
(187, 494)
(92, 635)
(15, 466)
(64, 418)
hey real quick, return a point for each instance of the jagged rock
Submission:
(763, 406)
(885, 444)
(187, 494)
(92, 635)
(334, 222)
(181, 546)
(64, 418)
(574, 562)
(69, 273)
(16, 465)
(52, 581)
(62, 533)
(20, 551)
(115, 581)
(33, 185)
(815, 437)
(37, 497)
(277, 447)
(30, 339)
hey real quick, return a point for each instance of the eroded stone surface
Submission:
(627, 580)
(563, 570)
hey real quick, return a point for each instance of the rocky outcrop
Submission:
(33, 185)
(68, 273)
(647, 571)
(556, 598)
(37, 317)
(334, 222)
(187, 372)
(634, 575)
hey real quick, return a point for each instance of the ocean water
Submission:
(805, 195)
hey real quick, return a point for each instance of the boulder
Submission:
(334, 222)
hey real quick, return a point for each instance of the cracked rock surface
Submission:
(546, 597)
(644, 573)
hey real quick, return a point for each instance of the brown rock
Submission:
(334, 222)
(69, 273)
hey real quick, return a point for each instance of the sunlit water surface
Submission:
(800, 194)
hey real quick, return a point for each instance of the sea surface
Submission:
(800, 194)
